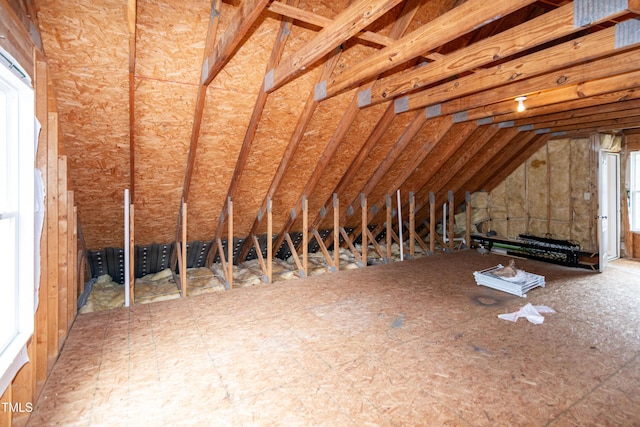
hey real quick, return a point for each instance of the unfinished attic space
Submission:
(347, 212)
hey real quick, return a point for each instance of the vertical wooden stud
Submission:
(72, 291)
(269, 241)
(432, 223)
(132, 268)
(63, 240)
(451, 211)
(400, 226)
(389, 239)
(467, 236)
(363, 207)
(336, 232)
(127, 259)
(412, 224)
(305, 235)
(183, 272)
(52, 240)
(229, 241)
(41, 322)
(76, 260)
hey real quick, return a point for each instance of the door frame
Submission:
(608, 206)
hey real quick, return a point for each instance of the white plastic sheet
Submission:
(532, 313)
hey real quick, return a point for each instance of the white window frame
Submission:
(20, 134)
(634, 191)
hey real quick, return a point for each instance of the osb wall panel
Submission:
(217, 153)
(170, 39)
(169, 51)
(278, 123)
(377, 155)
(412, 149)
(230, 100)
(346, 153)
(430, 133)
(319, 132)
(164, 114)
(546, 195)
(428, 176)
(88, 66)
(362, 128)
(430, 10)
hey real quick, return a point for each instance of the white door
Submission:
(608, 207)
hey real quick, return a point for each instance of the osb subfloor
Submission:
(413, 343)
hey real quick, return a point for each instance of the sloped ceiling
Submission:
(432, 111)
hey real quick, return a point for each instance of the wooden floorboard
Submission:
(407, 343)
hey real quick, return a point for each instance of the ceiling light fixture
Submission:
(520, 100)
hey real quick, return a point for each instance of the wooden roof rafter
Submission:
(296, 138)
(471, 181)
(346, 25)
(441, 184)
(372, 140)
(418, 120)
(472, 137)
(553, 25)
(618, 84)
(431, 181)
(449, 141)
(602, 112)
(583, 50)
(401, 24)
(535, 32)
(214, 58)
(345, 122)
(448, 26)
(321, 22)
(454, 142)
(276, 54)
(212, 29)
(571, 108)
(248, 12)
(131, 24)
(595, 125)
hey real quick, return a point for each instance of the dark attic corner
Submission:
(316, 189)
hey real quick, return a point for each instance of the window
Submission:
(634, 191)
(17, 154)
